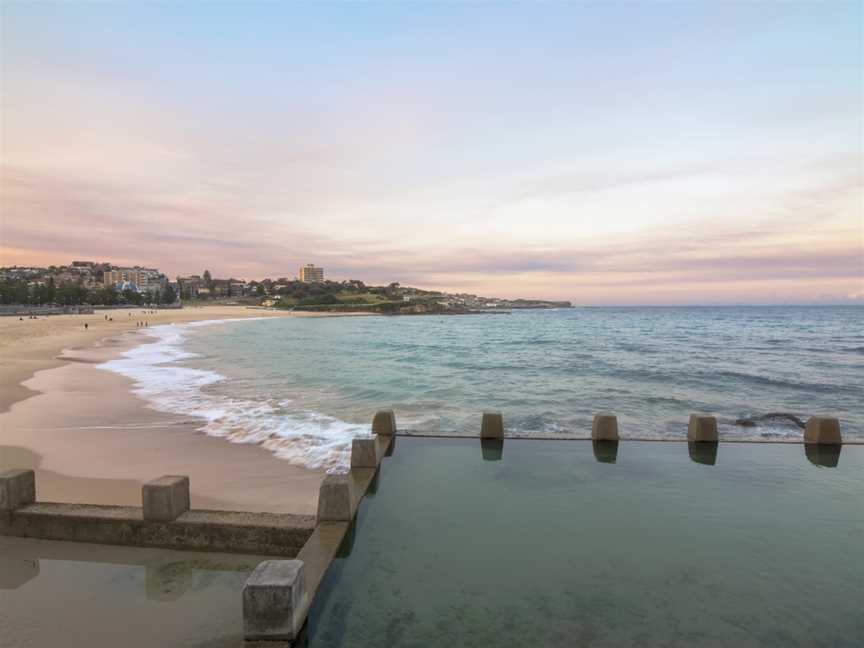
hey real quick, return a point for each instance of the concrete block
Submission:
(364, 453)
(702, 429)
(823, 430)
(17, 488)
(166, 498)
(274, 601)
(492, 426)
(334, 499)
(384, 422)
(604, 427)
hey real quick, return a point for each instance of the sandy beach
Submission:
(91, 440)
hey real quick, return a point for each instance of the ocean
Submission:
(304, 387)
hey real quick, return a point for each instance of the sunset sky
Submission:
(649, 153)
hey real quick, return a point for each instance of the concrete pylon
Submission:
(334, 499)
(17, 488)
(823, 430)
(165, 499)
(702, 429)
(384, 422)
(274, 598)
(604, 427)
(364, 453)
(492, 426)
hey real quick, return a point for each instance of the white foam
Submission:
(303, 438)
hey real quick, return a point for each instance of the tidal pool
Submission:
(565, 543)
(82, 595)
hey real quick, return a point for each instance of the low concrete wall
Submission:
(283, 619)
(226, 531)
(164, 521)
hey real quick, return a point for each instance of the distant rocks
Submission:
(771, 416)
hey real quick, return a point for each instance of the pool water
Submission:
(75, 595)
(556, 543)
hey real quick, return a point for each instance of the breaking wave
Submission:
(304, 438)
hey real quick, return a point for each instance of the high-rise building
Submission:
(311, 274)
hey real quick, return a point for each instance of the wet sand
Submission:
(91, 440)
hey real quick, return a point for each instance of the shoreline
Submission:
(90, 439)
(29, 346)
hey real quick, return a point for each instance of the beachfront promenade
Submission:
(279, 593)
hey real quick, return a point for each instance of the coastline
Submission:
(90, 439)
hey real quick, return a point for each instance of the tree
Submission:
(106, 296)
(169, 295)
(132, 297)
(392, 290)
(69, 295)
(208, 280)
(14, 291)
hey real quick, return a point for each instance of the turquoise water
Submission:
(548, 546)
(305, 387)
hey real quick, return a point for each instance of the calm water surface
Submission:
(83, 596)
(305, 387)
(547, 546)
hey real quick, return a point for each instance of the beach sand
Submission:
(91, 440)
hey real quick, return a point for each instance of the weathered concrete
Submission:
(228, 531)
(368, 453)
(605, 451)
(823, 430)
(384, 422)
(604, 427)
(702, 429)
(320, 550)
(492, 426)
(17, 488)
(275, 601)
(166, 498)
(334, 499)
(364, 453)
(703, 452)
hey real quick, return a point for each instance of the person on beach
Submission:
(85, 326)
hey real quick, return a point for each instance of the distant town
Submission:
(100, 284)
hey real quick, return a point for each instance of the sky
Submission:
(639, 153)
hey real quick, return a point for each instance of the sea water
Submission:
(304, 387)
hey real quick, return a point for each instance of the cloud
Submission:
(51, 219)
